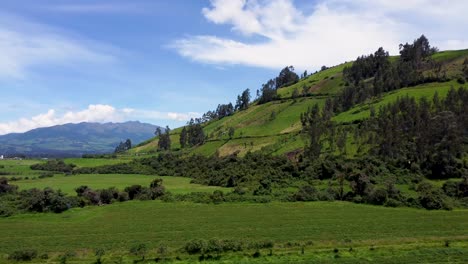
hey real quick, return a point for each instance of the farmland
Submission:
(320, 226)
(67, 184)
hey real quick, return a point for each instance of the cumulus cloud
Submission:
(25, 45)
(94, 113)
(334, 31)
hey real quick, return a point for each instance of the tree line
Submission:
(374, 74)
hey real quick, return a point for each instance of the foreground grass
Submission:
(99, 181)
(322, 226)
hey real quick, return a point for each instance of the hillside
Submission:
(74, 139)
(274, 127)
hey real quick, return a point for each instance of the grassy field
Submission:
(321, 226)
(18, 167)
(99, 181)
(95, 162)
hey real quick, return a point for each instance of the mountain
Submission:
(74, 139)
(275, 127)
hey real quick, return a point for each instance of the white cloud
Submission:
(94, 113)
(335, 31)
(157, 115)
(25, 45)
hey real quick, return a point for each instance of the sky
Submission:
(164, 62)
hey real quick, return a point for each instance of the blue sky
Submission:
(166, 61)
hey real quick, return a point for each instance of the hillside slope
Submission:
(274, 127)
(74, 139)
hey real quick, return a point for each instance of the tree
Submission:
(313, 128)
(164, 142)
(286, 77)
(268, 92)
(183, 137)
(123, 146)
(243, 100)
(195, 134)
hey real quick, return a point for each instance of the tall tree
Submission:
(164, 142)
(243, 100)
(183, 137)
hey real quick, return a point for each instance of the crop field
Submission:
(100, 181)
(372, 232)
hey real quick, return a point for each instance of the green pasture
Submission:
(18, 167)
(100, 181)
(321, 226)
(96, 162)
(327, 81)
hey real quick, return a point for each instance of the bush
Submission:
(23, 255)
(217, 197)
(133, 190)
(450, 188)
(46, 175)
(5, 187)
(195, 246)
(393, 203)
(307, 193)
(377, 196)
(435, 200)
(139, 250)
(54, 165)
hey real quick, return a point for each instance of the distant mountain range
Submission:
(74, 139)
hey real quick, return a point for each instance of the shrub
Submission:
(195, 246)
(378, 196)
(133, 190)
(434, 200)
(307, 193)
(393, 203)
(54, 165)
(139, 250)
(23, 255)
(46, 175)
(217, 197)
(5, 187)
(123, 196)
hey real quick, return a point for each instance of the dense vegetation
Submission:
(13, 201)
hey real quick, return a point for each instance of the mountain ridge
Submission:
(74, 139)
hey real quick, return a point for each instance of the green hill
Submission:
(274, 127)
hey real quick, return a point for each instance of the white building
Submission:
(1, 157)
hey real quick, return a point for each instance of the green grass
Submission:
(99, 181)
(450, 55)
(18, 167)
(327, 81)
(327, 225)
(95, 162)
